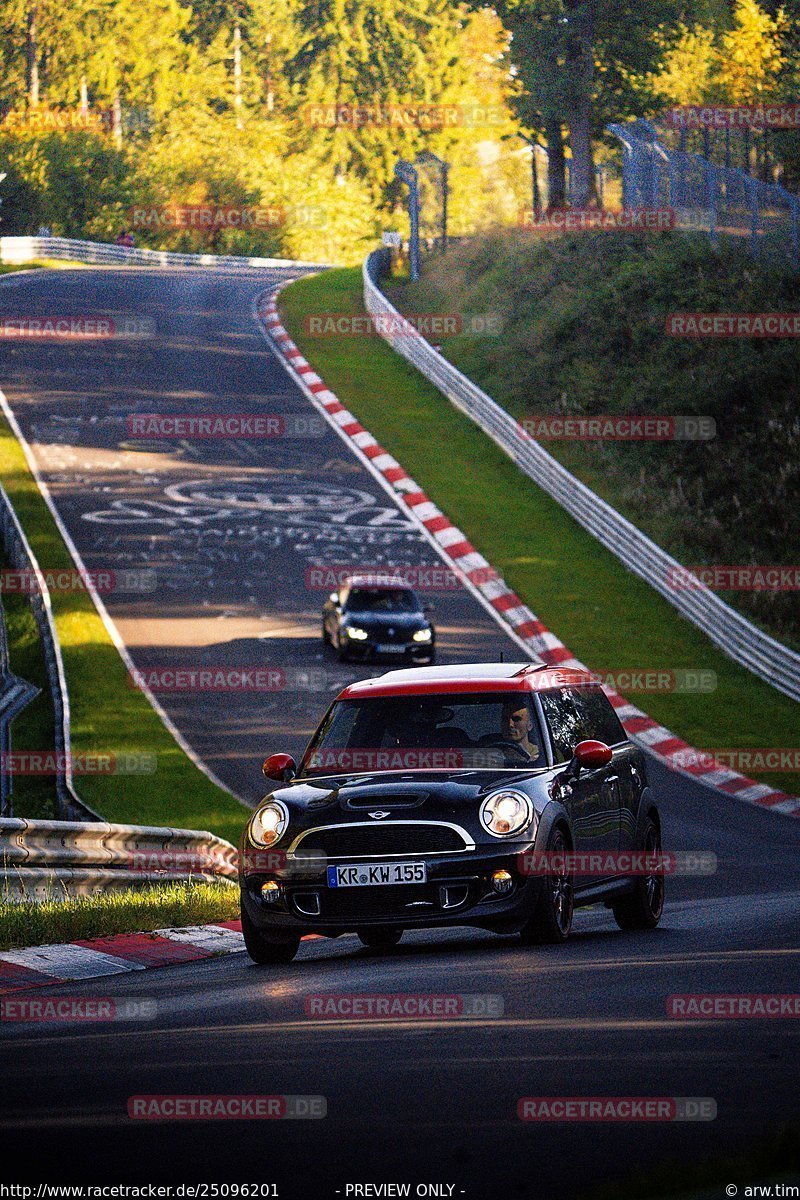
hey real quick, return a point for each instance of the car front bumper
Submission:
(458, 891)
(403, 652)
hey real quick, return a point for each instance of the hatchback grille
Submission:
(412, 837)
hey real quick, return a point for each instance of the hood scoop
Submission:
(358, 799)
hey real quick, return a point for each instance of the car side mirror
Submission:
(280, 767)
(334, 597)
(589, 755)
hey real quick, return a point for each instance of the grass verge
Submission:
(583, 333)
(109, 716)
(28, 923)
(609, 618)
(54, 264)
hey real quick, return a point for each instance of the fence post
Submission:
(711, 193)
(404, 170)
(752, 187)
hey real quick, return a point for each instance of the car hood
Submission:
(397, 793)
(373, 620)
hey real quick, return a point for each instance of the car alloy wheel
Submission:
(642, 908)
(552, 919)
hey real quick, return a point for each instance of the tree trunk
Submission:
(580, 67)
(237, 74)
(582, 184)
(556, 181)
(32, 53)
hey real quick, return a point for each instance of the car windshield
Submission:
(426, 733)
(383, 600)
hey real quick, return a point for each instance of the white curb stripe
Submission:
(69, 962)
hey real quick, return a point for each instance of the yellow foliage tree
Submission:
(751, 55)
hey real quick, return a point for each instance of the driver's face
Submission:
(516, 723)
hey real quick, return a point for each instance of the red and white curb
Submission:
(518, 620)
(36, 966)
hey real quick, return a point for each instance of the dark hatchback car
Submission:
(498, 796)
(368, 620)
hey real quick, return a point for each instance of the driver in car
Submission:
(516, 722)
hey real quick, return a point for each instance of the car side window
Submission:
(600, 716)
(566, 722)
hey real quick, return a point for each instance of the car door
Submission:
(593, 799)
(626, 773)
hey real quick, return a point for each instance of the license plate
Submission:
(376, 874)
(390, 648)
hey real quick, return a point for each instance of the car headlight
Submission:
(422, 635)
(358, 635)
(269, 823)
(505, 813)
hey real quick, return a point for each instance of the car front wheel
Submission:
(552, 918)
(642, 909)
(264, 951)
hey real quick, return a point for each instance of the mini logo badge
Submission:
(379, 815)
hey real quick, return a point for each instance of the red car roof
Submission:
(480, 677)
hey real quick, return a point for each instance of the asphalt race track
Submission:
(229, 530)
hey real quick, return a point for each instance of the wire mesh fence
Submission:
(759, 216)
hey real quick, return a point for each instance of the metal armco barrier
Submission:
(20, 555)
(50, 859)
(26, 249)
(728, 629)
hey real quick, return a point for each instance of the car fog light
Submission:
(502, 882)
(270, 891)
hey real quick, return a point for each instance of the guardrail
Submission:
(728, 629)
(26, 249)
(21, 557)
(50, 859)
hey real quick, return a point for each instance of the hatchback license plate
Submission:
(376, 874)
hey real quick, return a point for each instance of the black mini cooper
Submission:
(499, 796)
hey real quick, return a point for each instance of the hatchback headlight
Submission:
(505, 813)
(358, 635)
(269, 823)
(422, 635)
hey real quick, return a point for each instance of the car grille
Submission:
(396, 637)
(413, 837)
(406, 903)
